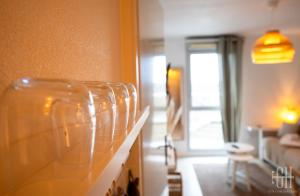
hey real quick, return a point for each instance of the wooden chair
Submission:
(174, 177)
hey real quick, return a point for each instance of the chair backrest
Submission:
(170, 114)
(173, 117)
(171, 154)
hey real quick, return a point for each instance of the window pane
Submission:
(159, 81)
(158, 117)
(204, 80)
(159, 130)
(205, 130)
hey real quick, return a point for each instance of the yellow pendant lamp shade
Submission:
(272, 48)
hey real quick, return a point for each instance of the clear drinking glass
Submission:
(47, 136)
(132, 105)
(105, 107)
(122, 109)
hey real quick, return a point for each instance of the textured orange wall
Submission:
(129, 40)
(74, 39)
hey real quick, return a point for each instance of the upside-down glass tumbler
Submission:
(122, 110)
(105, 107)
(132, 105)
(46, 137)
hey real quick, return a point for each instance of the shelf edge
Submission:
(114, 167)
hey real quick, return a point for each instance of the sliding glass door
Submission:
(204, 115)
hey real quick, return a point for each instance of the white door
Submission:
(154, 94)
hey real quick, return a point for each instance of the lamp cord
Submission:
(272, 4)
(271, 18)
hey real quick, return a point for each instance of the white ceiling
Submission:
(214, 17)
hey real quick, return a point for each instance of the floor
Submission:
(185, 166)
(191, 185)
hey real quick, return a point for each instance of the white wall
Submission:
(175, 51)
(267, 89)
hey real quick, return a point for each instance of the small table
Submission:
(239, 154)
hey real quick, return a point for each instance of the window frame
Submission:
(189, 106)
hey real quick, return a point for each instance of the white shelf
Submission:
(101, 180)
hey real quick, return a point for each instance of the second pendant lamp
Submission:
(273, 47)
